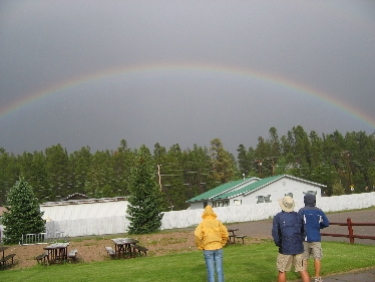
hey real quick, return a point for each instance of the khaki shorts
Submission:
(312, 250)
(285, 262)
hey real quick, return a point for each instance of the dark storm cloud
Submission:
(325, 46)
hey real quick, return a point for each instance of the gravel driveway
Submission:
(262, 229)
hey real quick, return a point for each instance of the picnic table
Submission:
(2, 250)
(57, 252)
(124, 246)
(3, 258)
(233, 236)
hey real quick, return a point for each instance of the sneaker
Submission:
(318, 279)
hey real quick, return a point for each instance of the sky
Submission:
(91, 73)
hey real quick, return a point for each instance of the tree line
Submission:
(22, 213)
(345, 163)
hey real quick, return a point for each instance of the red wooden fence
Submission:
(351, 235)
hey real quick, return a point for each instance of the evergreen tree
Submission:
(261, 153)
(57, 171)
(244, 163)
(196, 167)
(7, 174)
(99, 174)
(275, 149)
(222, 163)
(79, 165)
(338, 189)
(22, 215)
(122, 162)
(39, 176)
(176, 193)
(145, 200)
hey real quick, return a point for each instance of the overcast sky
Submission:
(90, 73)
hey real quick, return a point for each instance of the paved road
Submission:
(262, 229)
(362, 276)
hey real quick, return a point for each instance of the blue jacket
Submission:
(287, 233)
(313, 218)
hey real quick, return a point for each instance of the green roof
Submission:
(251, 187)
(224, 188)
(244, 186)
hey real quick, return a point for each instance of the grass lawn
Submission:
(254, 262)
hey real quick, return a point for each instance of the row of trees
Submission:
(23, 215)
(55, 174)
(342, 162)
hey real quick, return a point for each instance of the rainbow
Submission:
(246, 73)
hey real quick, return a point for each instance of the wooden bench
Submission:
(139, 249)
(110, 251)
(73, 254)
(43, 259)
(4, 260)
(232, 235)
(241, 237)
(231, 239)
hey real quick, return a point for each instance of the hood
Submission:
(208, 213)
(310, 200)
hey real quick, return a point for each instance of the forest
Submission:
(343, 162)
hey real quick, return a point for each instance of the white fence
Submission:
(188, 218)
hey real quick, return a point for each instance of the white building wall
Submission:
(197, 205)
(117, 223)
(279, 189)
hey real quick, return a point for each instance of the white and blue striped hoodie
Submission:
(314, 219)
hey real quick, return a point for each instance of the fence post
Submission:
(350, 228)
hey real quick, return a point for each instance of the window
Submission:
(237, 202)
(290, 194)
(224, 203)
(264, 199)
(260, 199)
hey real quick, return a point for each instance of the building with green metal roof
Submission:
(256, 191)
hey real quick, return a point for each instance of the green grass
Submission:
(254, 262)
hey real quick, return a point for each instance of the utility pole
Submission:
(159, 175)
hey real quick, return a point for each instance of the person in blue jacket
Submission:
(287, 233)
(314, 219)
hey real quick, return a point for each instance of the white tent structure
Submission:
(108, 216)
(86, 217)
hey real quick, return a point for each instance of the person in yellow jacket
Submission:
(211, 236)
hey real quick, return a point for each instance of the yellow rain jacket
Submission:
(210, 234)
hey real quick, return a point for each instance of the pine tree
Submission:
(338, 189)
(145, 201)
(22, 215)
(222, 163)
(244, 163)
